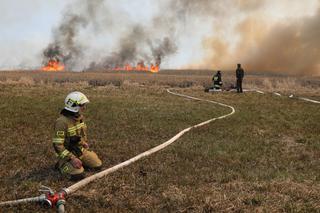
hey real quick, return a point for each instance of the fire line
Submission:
(53, 65)
(140, 67)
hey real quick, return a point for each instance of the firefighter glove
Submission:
(75, 139)
(85, 145)
(76, 163)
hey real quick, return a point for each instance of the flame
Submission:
(53, 66)
(139, 67)
(154, 68)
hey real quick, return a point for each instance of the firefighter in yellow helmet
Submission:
(70, 139)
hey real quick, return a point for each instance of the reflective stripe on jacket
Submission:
(69, 135)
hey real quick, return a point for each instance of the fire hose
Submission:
(49, 199)
(280, 95)
(52, 199)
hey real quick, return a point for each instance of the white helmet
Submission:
(74, 100)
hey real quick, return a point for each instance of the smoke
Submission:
(137, 43)
(162, 48)
(292, 48)
(244, 32)
(286, 46)
(250, 5)
(262, 35)
(65, 46)
(128, 50)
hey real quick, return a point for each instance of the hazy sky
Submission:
(206, 36)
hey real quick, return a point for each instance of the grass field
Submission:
(264, 158)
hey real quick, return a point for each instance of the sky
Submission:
(275, 35)
(25, 28)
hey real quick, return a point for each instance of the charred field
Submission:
(264, 158)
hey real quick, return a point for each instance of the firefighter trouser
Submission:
(239, 84)
(89, 160)
(217, 85)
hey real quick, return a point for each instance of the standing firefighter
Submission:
(217, 81)
(239, 75)
(70, 139)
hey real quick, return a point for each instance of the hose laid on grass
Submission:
(309, 100)
(22, 201)
(84, 182)
(290, 96)
(96, 176)
(87, 180)
(300, 98)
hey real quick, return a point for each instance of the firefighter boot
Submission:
(69, 170)
(91, 160)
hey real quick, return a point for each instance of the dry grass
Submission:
(170, 78)
(265, 158)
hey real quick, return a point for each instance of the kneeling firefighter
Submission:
(70, 139)
(217, 81)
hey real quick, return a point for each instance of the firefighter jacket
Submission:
(70, 134)
(240, 73)
(217, 80)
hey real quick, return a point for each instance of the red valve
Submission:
(54, 199)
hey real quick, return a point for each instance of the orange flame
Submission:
(154, 68)
(140, 67)
(53, 66)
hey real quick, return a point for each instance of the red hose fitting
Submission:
(54, 199)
